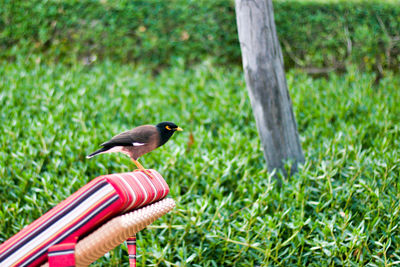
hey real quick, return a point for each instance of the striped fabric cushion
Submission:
(99, 200)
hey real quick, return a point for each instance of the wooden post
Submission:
(266, 83)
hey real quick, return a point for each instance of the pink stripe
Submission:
(163, 184)
(137, 180)
(160, 189)
(148, 186)
(140, 189)
(135, 188)
(129, 190)
(132, 251)
(24, 232)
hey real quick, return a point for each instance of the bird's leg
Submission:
(141, 168)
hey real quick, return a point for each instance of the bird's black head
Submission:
(166, 130)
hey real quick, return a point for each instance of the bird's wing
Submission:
(137, 137)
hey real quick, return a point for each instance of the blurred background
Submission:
(75, 73)
(318, 36)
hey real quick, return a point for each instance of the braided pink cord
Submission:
(131, 243)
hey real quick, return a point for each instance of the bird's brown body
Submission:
(136, 142)
(135, 153)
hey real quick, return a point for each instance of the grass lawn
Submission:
(342, 208)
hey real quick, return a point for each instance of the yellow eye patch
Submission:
(168, 128)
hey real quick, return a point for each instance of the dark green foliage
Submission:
(332, 34)
(341, 209)
(127, 31)
(316, 35)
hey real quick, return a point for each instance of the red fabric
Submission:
(136, 189)
(101, 199)
(131, 244)
(62, 255)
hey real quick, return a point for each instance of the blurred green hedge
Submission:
(314, 35)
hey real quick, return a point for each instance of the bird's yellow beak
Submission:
(179, 129)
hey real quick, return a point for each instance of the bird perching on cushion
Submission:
(139, 141)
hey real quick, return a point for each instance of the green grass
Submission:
(342, 208)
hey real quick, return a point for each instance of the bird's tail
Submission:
(101, 150)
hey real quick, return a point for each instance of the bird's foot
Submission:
(142, 169)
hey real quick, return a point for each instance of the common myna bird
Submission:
(139, 141)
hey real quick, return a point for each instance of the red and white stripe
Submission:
(104, 197)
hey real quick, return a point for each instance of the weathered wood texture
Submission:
(266, 83)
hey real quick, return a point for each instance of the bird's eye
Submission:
(168, 128)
